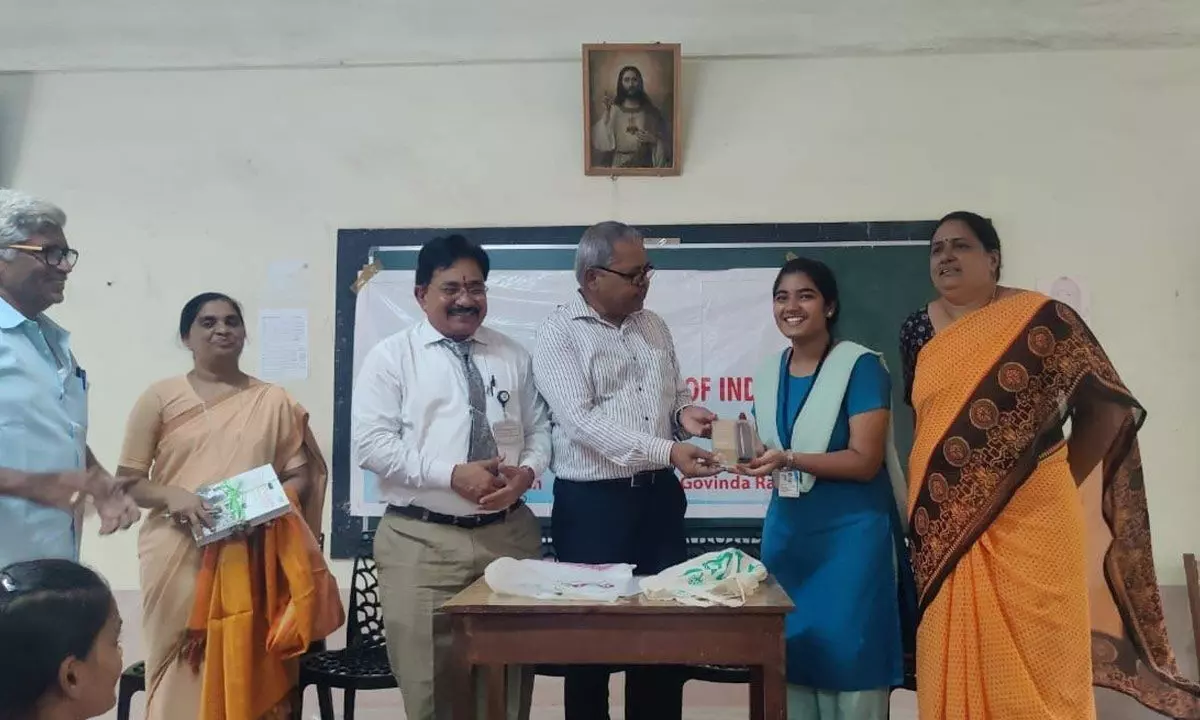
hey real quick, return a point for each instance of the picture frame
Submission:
(632, 118)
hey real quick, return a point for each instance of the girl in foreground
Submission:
(60, 648)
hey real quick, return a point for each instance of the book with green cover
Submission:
(244, 502)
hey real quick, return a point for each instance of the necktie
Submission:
(483, 444)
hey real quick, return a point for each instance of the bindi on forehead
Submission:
(463, 270)
(456, 279)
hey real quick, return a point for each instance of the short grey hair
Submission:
(596, 246)
(22, 216)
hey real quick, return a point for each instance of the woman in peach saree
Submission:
(224, 624)
(1031, 549)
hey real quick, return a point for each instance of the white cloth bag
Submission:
(724, 577)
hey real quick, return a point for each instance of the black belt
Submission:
(646, 478)
(463, 521)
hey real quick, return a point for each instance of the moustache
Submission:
(463, 311)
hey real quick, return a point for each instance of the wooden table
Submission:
(491, 631)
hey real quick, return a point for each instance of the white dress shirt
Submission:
(411, 414)
(614, 392)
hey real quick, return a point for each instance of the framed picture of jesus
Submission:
(631, 113)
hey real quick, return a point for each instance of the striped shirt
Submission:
(614, 392)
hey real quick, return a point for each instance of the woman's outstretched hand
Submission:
(766, 463)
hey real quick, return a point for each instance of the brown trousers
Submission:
(421, 566)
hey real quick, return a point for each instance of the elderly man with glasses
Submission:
(46, 466)
(619, 412)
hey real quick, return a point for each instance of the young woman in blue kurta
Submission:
(837, 548)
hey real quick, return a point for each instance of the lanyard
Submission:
(785, 384)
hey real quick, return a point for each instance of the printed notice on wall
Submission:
(283, 345)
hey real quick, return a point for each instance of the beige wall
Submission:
(178, 182)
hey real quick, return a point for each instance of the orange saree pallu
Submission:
(260, 602)
(1035, 576)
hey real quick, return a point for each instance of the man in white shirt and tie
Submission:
(446, 414)
(620, 413)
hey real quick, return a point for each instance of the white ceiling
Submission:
(144, 34)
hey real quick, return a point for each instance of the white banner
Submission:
(721, 321)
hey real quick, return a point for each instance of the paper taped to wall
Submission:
(283, 344)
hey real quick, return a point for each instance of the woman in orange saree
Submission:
(1031, 549)
(224, 624)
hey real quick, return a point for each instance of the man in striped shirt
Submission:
(620, 413)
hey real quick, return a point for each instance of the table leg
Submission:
(497, 685)
(768, 692)
(756, 692)
(462, 684)
(774, 692)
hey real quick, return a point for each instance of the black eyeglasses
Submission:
(54, 255)
(451, 291)
(637, 277)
